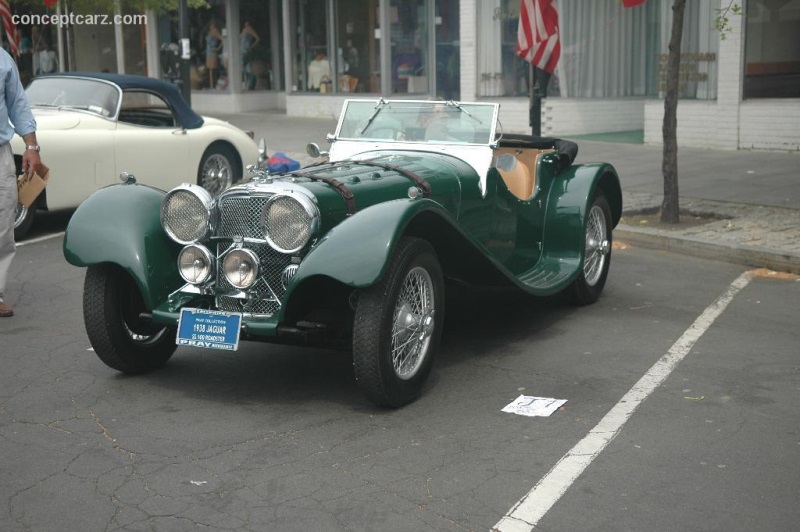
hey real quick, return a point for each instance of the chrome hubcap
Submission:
(413, 323)
(22, 211)
(217, 174)
(597, 246)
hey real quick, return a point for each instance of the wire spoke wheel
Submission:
(597, 246)
(216, 173)
(413, 323)
(397, 325)
(596, 252)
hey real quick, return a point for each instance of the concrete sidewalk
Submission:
(754, 194)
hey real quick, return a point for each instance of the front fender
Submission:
(121, 224)
(373, 232)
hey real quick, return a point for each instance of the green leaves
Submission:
(722, 22)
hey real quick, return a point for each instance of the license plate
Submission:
(211, 329)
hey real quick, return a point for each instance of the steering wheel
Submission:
(383, 132)
(381, 129)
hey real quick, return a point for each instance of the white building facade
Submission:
(739, 89)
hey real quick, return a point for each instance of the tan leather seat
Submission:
(520, 176)
(518, 179)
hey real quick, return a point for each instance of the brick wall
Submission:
(770, 125)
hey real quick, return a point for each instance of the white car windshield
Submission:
(88, 95)
(418, 121)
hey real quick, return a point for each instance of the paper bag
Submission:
(30, 186)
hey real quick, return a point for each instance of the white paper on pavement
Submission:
(527, 405)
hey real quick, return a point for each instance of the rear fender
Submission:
(568, 205)
(120, 224)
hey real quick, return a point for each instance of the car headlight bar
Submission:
(289, 221)
(186, 213)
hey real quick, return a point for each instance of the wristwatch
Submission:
(34, 147)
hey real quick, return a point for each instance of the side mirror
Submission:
(314, 151)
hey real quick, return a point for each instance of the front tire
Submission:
(597, 252)
(112, 304)
(398, 325)
(219, 169)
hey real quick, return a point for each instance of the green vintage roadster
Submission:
(353, 252)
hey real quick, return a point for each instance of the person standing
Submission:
(15, 117)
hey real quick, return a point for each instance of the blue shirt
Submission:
(15, 113)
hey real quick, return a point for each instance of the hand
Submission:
(30, 162)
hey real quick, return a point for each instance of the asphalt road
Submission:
(280, 438)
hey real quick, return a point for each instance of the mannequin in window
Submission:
(213, 49)
(248, 38)
(319, 71)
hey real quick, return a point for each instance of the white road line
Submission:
(537, 502)
(40, 239)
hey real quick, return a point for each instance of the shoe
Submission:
(5, 310)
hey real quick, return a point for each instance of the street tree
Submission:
(670, 206)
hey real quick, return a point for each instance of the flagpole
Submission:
(533, 120)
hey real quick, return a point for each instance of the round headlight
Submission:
(240, 268)
(289, 222)
(195, 264)
(186, 213)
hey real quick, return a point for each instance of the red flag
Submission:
(537, 35)
(632, 3)
(10, 27)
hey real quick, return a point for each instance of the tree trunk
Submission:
(670, 207)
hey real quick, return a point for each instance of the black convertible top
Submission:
(567, 149)
(186, 118)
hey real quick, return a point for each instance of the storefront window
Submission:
(772, 50)
(315, 68)
(259, 46)
(697, 76)
(357, 57)
(448, 59)
(409, 46)
(607, 50)
(500, 71)
(337, 47)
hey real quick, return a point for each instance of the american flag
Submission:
(537, 36)
(10, 27)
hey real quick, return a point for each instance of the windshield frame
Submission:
(58, 81)
(409, 121)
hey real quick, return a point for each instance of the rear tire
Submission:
(23, 220)
(398, 325)
(112, 304)
(597, 252)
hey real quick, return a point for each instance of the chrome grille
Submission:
(239, 216)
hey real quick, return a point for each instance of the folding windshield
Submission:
(418, 121)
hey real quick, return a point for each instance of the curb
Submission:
(695, 247)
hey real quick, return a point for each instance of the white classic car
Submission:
(94, 126)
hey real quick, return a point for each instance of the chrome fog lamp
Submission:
(195, 264)
(240, 268)
(186, 213)
(289, 221)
